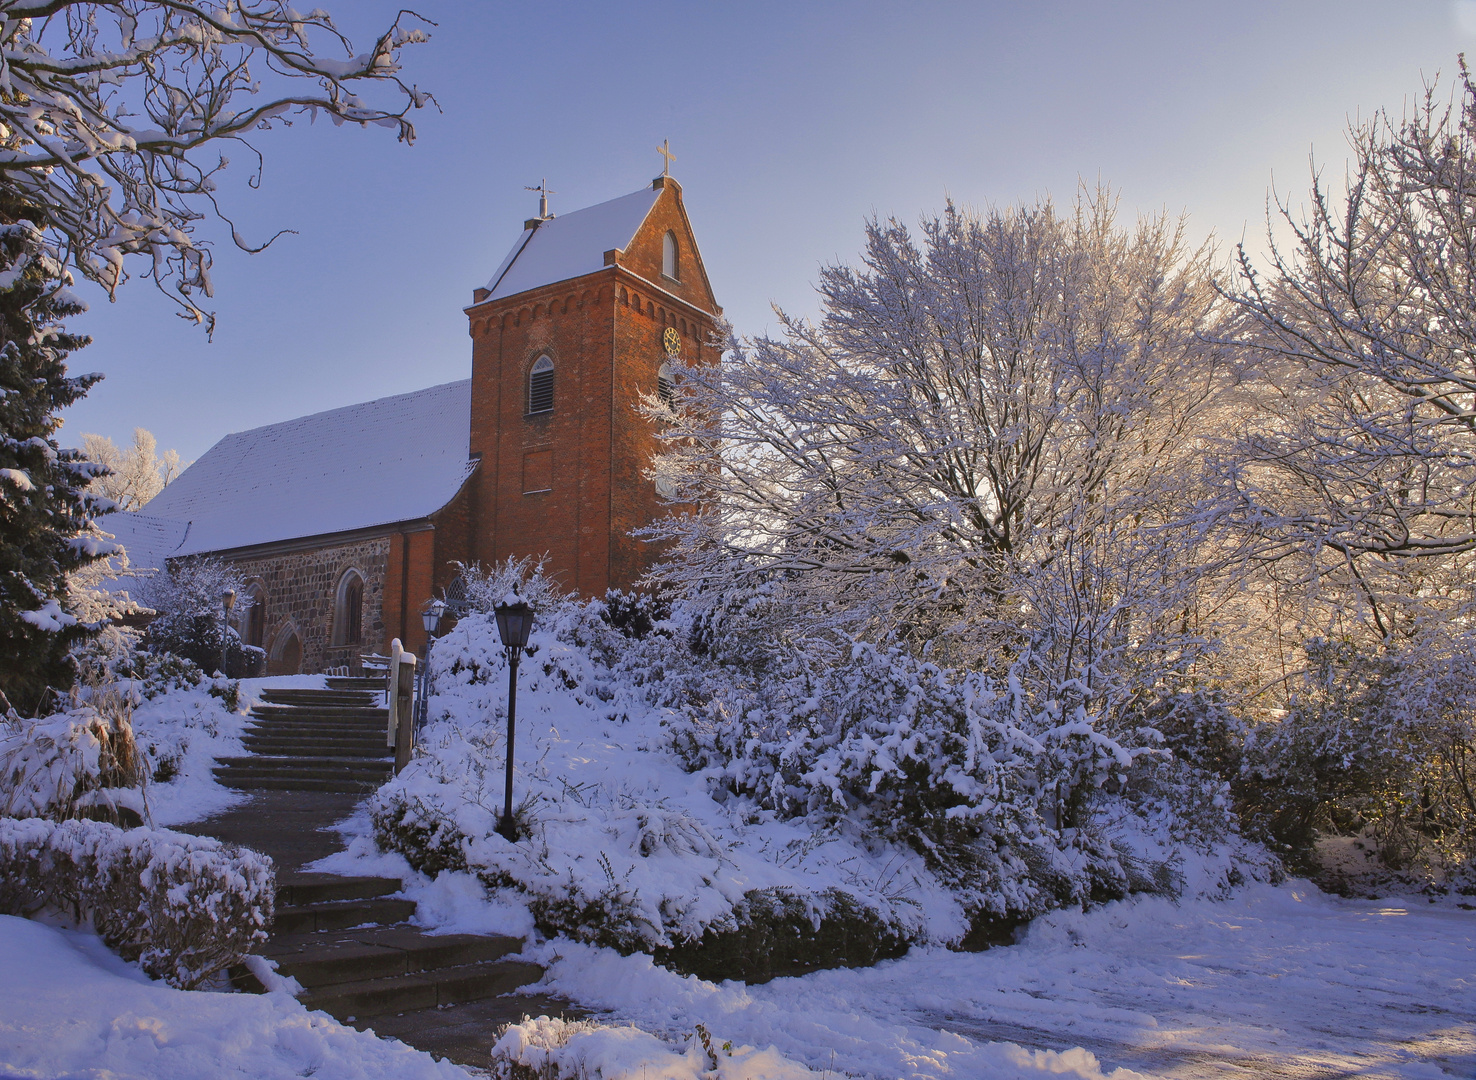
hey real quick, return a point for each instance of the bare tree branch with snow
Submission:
(1362, 468)
(107, 109)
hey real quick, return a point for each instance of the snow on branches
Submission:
(990, 449)
(1361, 466)
(103, 105)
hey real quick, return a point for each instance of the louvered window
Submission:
(665, 388)
(541, 386)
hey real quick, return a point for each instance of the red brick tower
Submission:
(566, 337)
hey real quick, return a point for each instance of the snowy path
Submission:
(1277, 982)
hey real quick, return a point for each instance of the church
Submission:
(346, 523)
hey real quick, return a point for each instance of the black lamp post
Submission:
(514, 624)
(227, 601)
(431, 620)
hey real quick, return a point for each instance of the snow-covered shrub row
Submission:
(681, 803)
(1375, 748)
(136, 744)
(589, 1050)
(182, 721)
(184, 907)
(1018, 806)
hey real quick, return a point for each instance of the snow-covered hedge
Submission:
(766, 814)
(184, 907)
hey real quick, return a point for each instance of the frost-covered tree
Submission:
(991, 449)
(45, 509)
(113, 115)
(190, 619)
(1360, 470)
(1357, 480)
(135, 475)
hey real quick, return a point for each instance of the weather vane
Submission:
(544, 193)
(665, 151)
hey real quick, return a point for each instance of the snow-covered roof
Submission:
(399, 458)
(572, 245)
(147, 540)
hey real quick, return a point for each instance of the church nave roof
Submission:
(394, 459)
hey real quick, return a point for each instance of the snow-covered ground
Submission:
(70, 1008)
(1265, 982)
(1277, 981)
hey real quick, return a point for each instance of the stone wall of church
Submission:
(301, 589)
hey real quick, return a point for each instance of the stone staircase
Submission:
(315, 740)
(345, 940)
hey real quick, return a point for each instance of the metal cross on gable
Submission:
(544, 193)
(665, 151)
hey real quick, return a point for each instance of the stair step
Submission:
(341, 915)
(325, 959)
(370, 748)
(367, 702)
(328, 725)
(371, 683)
(356, 779)
(300, 713)
(349, 735)
(313, 762)
(303, 718)
(288, 693)
(354, 701)
(421, 990)
(299, 890)
(350, 786)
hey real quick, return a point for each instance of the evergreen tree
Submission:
(44, 508)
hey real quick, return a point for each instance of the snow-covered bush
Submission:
(1378, 745)
(82, 763)
(137, 743)
(187, 598)
(622, 844)
(1017, 805)
(184, 907)
(545, 1049)
(759, 814)
(116, 655)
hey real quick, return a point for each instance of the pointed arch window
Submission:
(255, 615)
(541, 386)
(348, 609)
(665, 386)
(670, 257)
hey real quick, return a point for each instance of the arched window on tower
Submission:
(541, 386)
(670, 261)
(665, 387)
(348, 609)
(254, 628)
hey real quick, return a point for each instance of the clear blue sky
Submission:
(791, 122)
